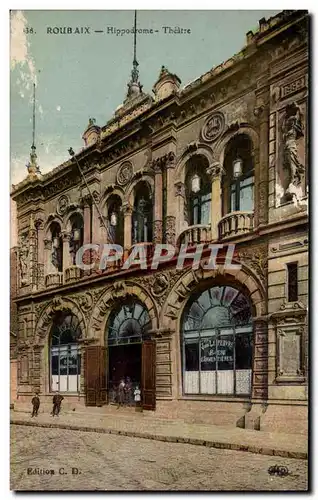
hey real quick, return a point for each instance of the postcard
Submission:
(159, 250)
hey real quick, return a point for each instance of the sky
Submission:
(80, 76)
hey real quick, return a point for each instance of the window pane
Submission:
(243, 351)
(225, 352)
(247, 198)
(208, 354)
(233, 201)
(55, 364)
(192, 357)
(205, 212)
(63, 363)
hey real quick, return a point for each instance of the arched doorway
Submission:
(65, 357)
(127, 328)
(217, 340)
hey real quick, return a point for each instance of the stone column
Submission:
(128, 210)
(87, 219)
(67, 258)
(48, 266)
(172, 202)
(96, 222)
(216, 171)
(157, 206)
(41, 252)
(260, 359)
(261, 111)
(179, 198)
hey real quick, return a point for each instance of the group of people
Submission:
(57, 401)
(126, 394)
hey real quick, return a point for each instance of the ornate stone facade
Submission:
(259, 94)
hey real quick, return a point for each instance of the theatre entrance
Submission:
(129, 358)
(124, 365)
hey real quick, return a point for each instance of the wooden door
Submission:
(95, 375)
(148, 374)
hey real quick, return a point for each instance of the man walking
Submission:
(57, 400)
(36, 405)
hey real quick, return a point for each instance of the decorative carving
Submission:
(292, 131)
(215, 170)
(58, 305)
(119, 288)
(170, 231)
(179, 189)
(213, 127)
(165, 161)
(160, 285)
(257, 259)
(191, 148)
(23, 259)
(125, 173)
(62, 205)
(85, 301)
(157, 231)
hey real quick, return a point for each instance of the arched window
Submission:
(77, 235)
(128, 324)
(238, 183)
(142, 214)
(65, 353)
(115, 219)
(57, 247)
(217, 343)
(198, 192)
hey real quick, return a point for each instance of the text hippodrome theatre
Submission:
(113, 30)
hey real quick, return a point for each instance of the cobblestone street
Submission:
(109, 462)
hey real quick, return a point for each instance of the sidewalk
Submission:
(141, 426)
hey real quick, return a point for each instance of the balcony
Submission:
(236, 224)
(72, 274)
(52, 280)
(199, 233)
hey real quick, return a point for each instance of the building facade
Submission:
(221, 161)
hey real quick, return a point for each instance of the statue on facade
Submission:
(23, 260)
(292, 131)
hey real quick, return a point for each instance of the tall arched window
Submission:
(238, 183)
(65, 353)
(57, 247)
(217, 343)
(128, 324)
(198, 192)
(142, 214)
(77, 235)
(115, 219)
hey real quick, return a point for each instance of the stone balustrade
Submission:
(199, 233)
(54, 279)
(236, 224)
(72, 273)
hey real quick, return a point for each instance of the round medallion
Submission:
(62, 205)
(213, 127)
(125, 173)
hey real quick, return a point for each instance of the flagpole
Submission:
(72, 154)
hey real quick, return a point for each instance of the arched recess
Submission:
(193, 282)
(111, 191)
(50, 220)
(129, 193)
(67, 222)
(44, 322)
(200, 149)
(220, 145)
(110, 298)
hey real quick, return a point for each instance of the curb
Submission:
(170, 439)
